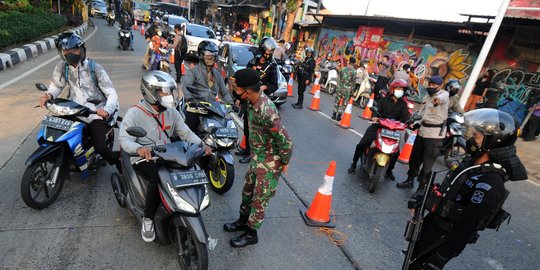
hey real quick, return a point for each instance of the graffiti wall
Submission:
(337, 42)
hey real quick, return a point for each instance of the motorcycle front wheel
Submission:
(36, 192)
(221, 176)
(375, 174)
(331, 89)
(362, 102)
(191, 253)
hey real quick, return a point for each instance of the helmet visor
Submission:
(71, 42)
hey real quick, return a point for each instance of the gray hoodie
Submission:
(142, 115)
(196, 77)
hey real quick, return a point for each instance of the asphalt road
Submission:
(86, 229)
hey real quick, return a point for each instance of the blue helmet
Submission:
(69, 40)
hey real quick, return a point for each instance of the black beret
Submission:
(246, 77)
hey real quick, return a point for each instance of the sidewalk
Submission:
(529, 153)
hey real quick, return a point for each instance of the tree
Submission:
(292, 8)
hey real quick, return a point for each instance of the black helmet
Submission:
(267, 44)
(310, 50)
(70, 40)
(452, 86)
(499, 128)
(207, 47)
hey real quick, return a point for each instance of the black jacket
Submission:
(151, 31)
(395, 111)
(268, 72)
(306, 69)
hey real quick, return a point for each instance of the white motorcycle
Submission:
(332, 81)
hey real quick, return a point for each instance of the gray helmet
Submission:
(155, 81)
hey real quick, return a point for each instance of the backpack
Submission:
(183, 47)
(93, 75)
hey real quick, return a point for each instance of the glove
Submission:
(235, 108)
(434, 261)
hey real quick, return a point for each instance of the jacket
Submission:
(196, 77)
(268, 72)
(142, 115)
(306, 69)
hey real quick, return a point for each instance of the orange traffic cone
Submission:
(405, 154)
(290, 86)
(183, 69)
(318, 213)
(135, 26)
(316, 85)
(171, 56)
(346, 118)
(243, 142)
(367, 111)
(142, 29)
(315, 102)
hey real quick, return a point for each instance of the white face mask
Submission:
(398, 93)
(168, 101)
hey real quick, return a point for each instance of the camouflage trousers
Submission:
(260, 186)
(341, 101)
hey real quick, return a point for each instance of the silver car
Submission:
(98, 9)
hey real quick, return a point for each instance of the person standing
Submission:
(480, 89)
(279, 53)
(180, 49)
(271, 149)
(530, 129)
(428, 143)
(453, 86)
(382, 79)
(305, 75)
(347, 79)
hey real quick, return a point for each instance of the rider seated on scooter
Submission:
(125, 23)
(362, 73)
(155, 44)
(324, 67)
(157, 115)
(392, 106)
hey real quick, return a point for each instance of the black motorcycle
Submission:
(183, 192)
(454, 143)
(124, 38)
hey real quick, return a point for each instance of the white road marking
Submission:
(351, 130)
(532, 182)
(18, 78)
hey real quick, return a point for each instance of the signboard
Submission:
(368, 37)
(528, 9)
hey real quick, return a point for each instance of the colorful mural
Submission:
(337, 42)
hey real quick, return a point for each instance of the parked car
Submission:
(195, 33)
(234, 56)
(98, 9)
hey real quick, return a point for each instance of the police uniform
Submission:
(305, 73)
(347, 79)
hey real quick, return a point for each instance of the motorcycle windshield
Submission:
(65, 107)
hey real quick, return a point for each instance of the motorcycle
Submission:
(111, 17)
(377, 157)
(332, 81)
(454, 143)
(286, 67)
(220, 165)
(162, 60)
(63, 147)
(184, 195)
(124, 38)
(362, 93)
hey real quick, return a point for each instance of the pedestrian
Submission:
(305, 75)
(279, 53)
(453, 87)
(428, 143)
(391, 107)
(403, 73)
(347, 79)
(480, 89)
(362, 76)
(382, 80)
(530, 131)
(471, 197)
(180, 50)
(271, 149)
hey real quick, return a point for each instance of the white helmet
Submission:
(156, 81)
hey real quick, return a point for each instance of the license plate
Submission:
(390, 134)
(57, 123)
(186, 179)
(227, 133)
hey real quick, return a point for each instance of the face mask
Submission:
(431, 90)
(398, 93)
(473, 148)
(72, 58)
(168, 101)
(159, 34)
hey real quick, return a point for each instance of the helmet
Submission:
(499, 128)
(155, 81)
(206, 46)
(310, 50)
(452, 86)
(267, 44)
(69, 40)
(364, 61)
(398, 83)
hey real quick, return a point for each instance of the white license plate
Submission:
(57, 123)
(185, 179)
(390, 134)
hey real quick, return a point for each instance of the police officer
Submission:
(428, 143)
(266, 66)
(271, 151)
(305, 73)
(390, 107)
(347, 79)
(473, 194)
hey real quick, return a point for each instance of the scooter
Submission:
(220, 165)
(362, 92)
(124, 38)
(63, 147)
(184, 195)
(111, 17)
(161, 61)
(332, 81)
(377, 157)
(454, 143)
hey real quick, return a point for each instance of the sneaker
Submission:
(147, 230)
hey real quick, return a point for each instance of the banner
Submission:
(368, 37)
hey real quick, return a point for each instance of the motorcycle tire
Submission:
(377, 172)
(362, 102)
(331, 89)
(119, 192)
(191, 253)
(452, 156)
(222, 181)
(29, 182)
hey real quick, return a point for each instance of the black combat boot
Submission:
(338, 117)
(239, 225)
(409, 183)
(334, 116)
(245, 239)
(298, 106)
(352, 169)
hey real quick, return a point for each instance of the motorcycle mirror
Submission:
(94, 100)
(41, 87)
(416, 116)
(138, 132)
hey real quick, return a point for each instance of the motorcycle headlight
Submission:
(459, 118)
(61, 110)
(206, 200)
(210, 141)
(122, 34)
(180, 203)
(225, 142)
(127, 34)
(287, 62)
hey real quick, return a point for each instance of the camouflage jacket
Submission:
(268, 138)
(347, 78)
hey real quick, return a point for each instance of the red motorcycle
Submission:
(377, 157)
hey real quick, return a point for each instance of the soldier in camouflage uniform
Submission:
(271, 149)
(347, 79)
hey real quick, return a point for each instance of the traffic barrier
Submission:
(142, 29)
(367, 111)
(171, 56)
(316, 102)
(135, 26)
(316, 85)
(290, 85)
(346, 118)
(318, 213)
(405, 154)
(183, 69)
(243, 142)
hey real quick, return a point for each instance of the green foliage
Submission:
(17, 27)
(26, 6)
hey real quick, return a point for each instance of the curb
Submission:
(21, 54)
